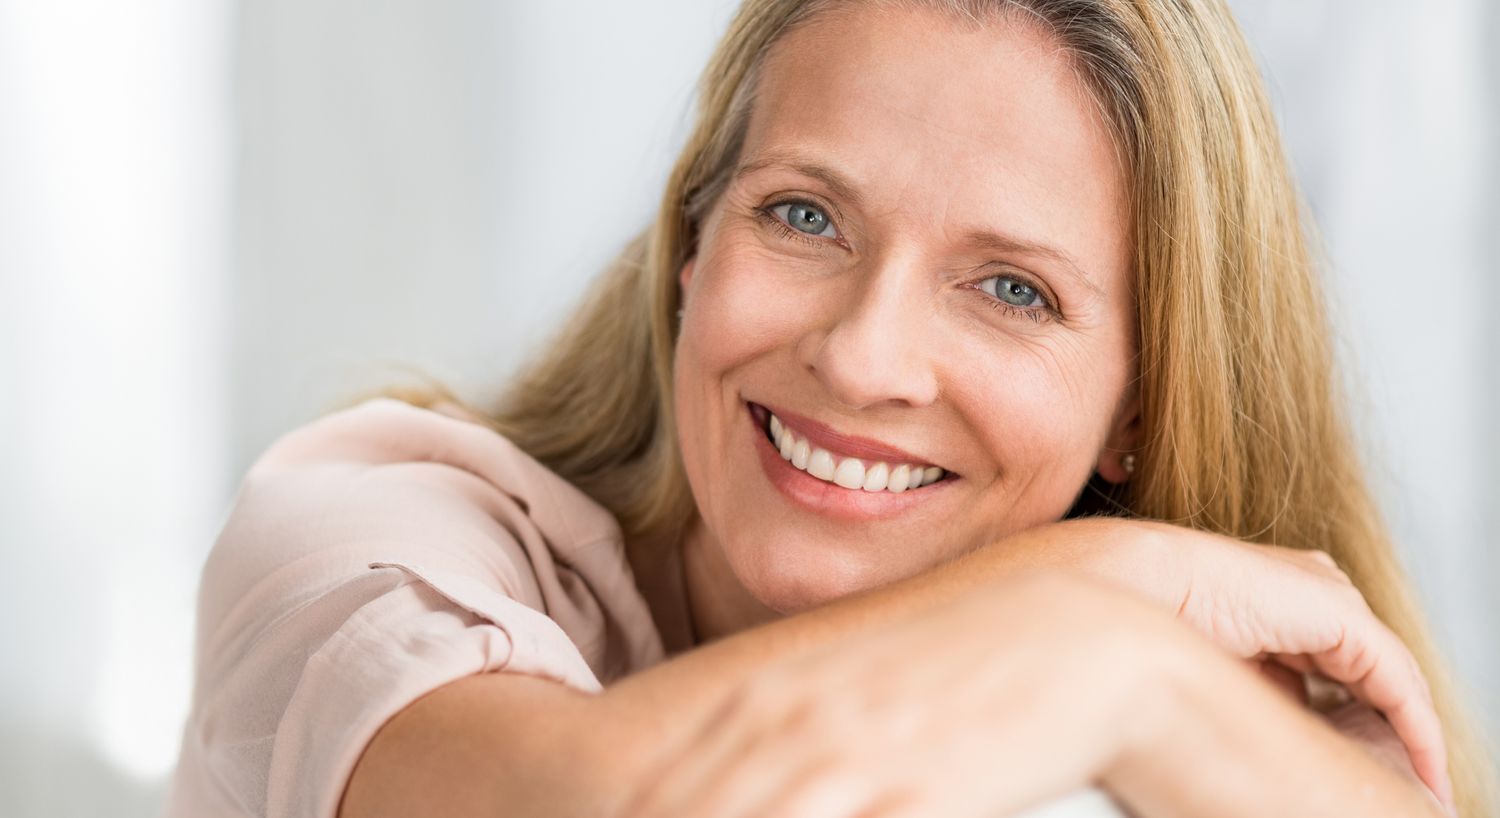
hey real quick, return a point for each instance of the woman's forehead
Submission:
(987, 127)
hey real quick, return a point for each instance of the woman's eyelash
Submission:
(1043, 312)
(766, 215)
(1036, 314)
(1040, 314)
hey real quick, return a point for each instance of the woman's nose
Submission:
(875, 344)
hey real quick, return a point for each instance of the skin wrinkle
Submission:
(882, 334)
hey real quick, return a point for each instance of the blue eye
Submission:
(805, 217)
(1013, 291)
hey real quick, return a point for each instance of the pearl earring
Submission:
(1128, 463)
(681, 313)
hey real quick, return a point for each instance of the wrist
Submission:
(1157, 735)
(1142, 556)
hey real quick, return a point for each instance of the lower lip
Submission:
(828, 499)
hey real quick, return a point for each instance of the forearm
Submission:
(672, 698)
(510, 741)
(1226, 744)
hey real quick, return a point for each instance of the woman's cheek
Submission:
(1037, 410)
(753, 303)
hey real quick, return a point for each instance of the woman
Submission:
(931, 282)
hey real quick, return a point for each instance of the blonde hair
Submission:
(1244, 431)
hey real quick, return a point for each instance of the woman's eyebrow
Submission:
(1000, 242)
(836, 181)
(980, 239)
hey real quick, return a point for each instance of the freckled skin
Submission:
(878, 327)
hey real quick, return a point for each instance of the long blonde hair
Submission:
(1243, 420)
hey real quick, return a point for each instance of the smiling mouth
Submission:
(848, 472)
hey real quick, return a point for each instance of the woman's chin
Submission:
(789, 585)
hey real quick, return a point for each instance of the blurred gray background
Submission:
(219, 218)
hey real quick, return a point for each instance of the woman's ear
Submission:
(685, 275)
(1119, 455)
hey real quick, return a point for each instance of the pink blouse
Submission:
(370, 557)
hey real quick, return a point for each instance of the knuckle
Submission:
(1354, 598)
(1342, 590)
(1324, 565)
(1322, 558)
(1343, 578)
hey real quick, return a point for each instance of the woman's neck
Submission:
(718, 603)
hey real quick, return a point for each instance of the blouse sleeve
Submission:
(341, 589)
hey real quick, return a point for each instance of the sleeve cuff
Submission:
(425, 629)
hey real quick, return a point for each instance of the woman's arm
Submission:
(998, 703)
(500, 739)
(521, 742)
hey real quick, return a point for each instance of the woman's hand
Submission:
(1366, 728)
(1296, 607)
(985, 706)
(1262, 603)
(1354, 720)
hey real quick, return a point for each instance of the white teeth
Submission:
(900, 479)
(850, 472)
(800, 453)
(821, 464)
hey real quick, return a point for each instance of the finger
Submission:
(1414, 717)
(1421, 731)
(1360, 722)
(1376, 667)
(1322, 557)
(1378, 670)
(1375, 677)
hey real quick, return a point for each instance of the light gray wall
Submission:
(1390, 113)
(434, 183)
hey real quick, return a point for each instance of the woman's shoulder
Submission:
(427, 444)
(369, 557)
(442, 496)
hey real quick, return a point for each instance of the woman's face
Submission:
(921, 261)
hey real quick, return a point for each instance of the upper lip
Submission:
(825, 436)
